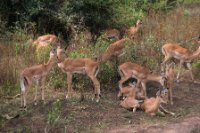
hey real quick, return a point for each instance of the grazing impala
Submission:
(184, 55)
(153, 105)
(115, 49)
(38, 74)
(45, 40)
(143, 75)
(169, 73)
(133, 30)
(82, 66)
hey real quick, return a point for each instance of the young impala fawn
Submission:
(153, 105)
(142, 74)
(184, 55)
(129, 102)
(37, 73)
(127, 91)
(82, 66)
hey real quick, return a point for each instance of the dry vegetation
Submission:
(179, 26)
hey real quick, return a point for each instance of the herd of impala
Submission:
(134, 95)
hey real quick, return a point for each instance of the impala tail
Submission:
(22, 84)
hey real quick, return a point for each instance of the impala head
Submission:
(163, 96)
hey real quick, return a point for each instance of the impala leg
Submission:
(43, 87)
(144, 89)
(179, 70)
(97, 87)
(69, 85)
(170, 95)
(36, 91)
(189, 66)
(166, 111)
(163, 64)
(24, 98)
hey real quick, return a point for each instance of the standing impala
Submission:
(37, 73)
(184, 55)
(143, 75)
(82, 66)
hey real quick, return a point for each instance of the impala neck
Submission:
(157, 102)
(49, 64)
(61, 57)
(195, 54)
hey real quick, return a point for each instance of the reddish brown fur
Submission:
(80, 65)
(142, 74)
(45, 40)
(115, 49)
(152, 105)
(184, 55)
(36, 73)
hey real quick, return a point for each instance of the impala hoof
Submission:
(67, 96)
(97, 100)
(35, 103)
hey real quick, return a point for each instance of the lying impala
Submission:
(82, 66)
(134, 29)
(143, 75)
(185, 56)
(153, 105)
(130, 101)
(37, 73)
(45, 40)
(115, 49)
(128, 90)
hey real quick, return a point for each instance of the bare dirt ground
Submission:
(87, 116)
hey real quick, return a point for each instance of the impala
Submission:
(128, 90)
(153, 105)
(134, 29)
(45, 40)
(82, 66)
(37, 73)
(130, 101)
(184, 55)
(142, 74)
(115, 49)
